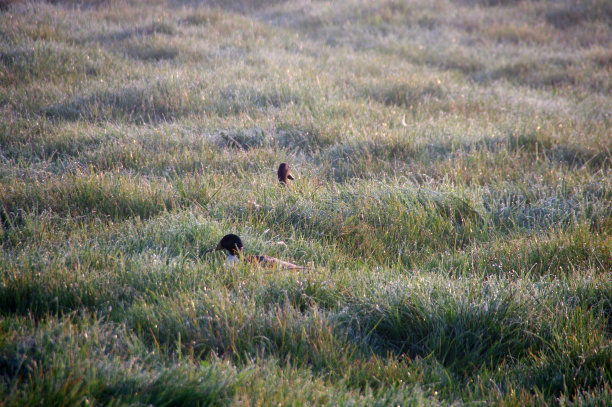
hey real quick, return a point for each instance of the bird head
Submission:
(283, 173)
(231, 243)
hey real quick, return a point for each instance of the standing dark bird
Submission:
(283, 173)
(234, 247)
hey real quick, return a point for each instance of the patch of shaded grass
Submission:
(111, 195)
(110, 373)
(137, 104)
(586, 358)
(50, 62)
(568, 14)
(550, 149)
(152, 51)
(551, 254)
(404, 95)
(39, 288)
(463, 334)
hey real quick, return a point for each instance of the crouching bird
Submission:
(284, 174)
(233, 245)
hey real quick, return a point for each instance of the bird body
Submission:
(231, 260)
(233, 245)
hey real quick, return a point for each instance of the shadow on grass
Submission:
(237, 6)
(463, 336)
(402, 94)
(75, 362)
(308, 140)
(134, 104)
(363, 158)
(105, 197)
(171, 100)
(39, 290)
(568, 14)
(106, 38)
(152, 51)
(49, 62)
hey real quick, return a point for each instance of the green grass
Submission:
(452, 201)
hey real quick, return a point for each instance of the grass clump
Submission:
(463, 335)
(109, 375)
(112, 196)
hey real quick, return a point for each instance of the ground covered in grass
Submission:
(453, 202)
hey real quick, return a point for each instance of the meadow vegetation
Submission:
(453, 202)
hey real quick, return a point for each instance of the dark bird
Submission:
(283, 173)
(234, 247)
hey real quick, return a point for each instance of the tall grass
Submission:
(452, 202)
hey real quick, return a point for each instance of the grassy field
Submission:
(453, 202)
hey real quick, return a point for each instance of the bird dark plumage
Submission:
(283, 173)
(231, 243)
(234, 247)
